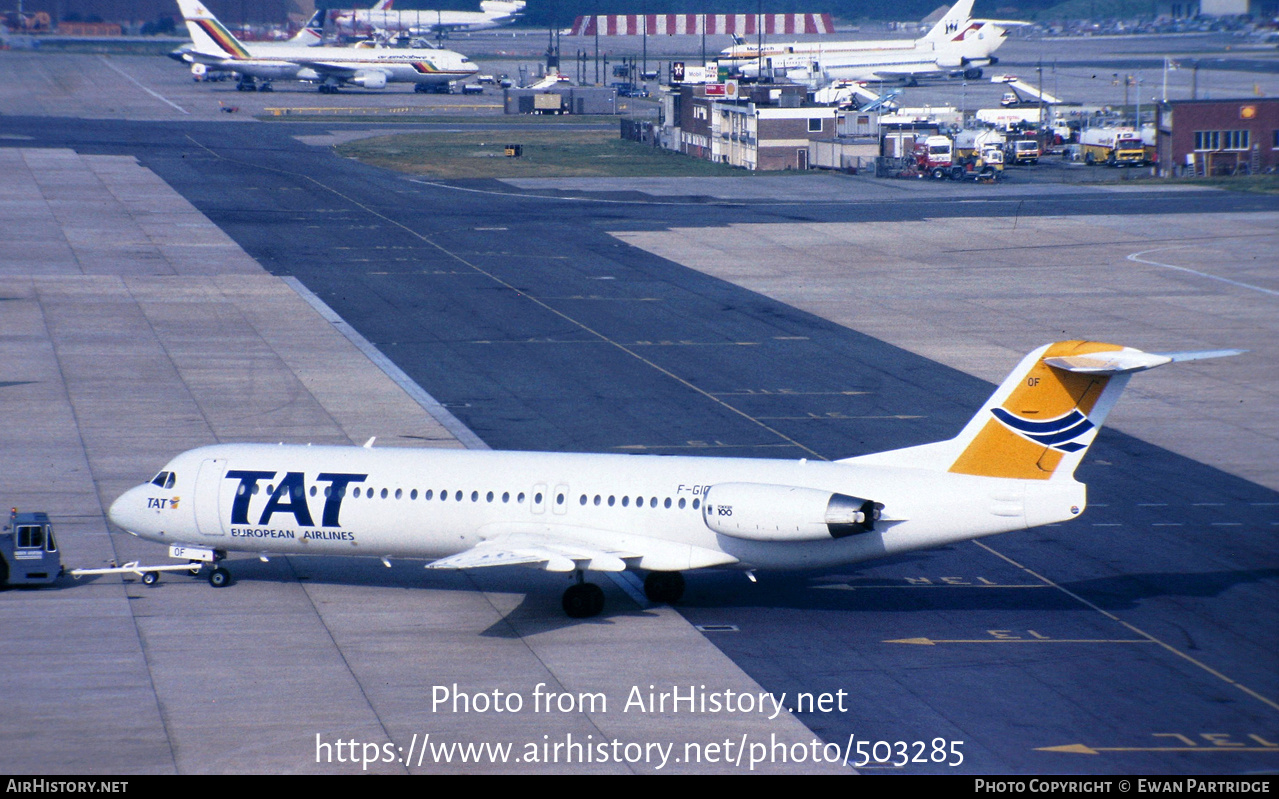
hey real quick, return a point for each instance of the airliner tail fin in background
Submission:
(210, 36)
(954, 21)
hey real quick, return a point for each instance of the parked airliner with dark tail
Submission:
(1010, 468)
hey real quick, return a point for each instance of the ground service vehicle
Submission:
(28, 553)
(1022, 151)
(986, 166)
(935, 156)
(1112, 146)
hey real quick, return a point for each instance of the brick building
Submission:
(1218, 137)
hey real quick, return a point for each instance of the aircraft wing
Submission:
(329, 68)
(546, 551)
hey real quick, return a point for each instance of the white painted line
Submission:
(134, 80)
(1137, 257)
(441, 414)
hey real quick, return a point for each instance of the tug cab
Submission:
(28, 552)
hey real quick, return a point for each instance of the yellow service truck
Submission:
(1112, 146)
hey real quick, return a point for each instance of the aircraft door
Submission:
(208, 485)
(539, 498)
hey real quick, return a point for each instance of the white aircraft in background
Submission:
(1012, 467)
(331, 67)
(956, 45)
(384, 19)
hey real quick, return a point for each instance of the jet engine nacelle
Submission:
(758, 512)
(371, 79)
(950, 61)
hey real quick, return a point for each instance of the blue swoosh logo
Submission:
(1059, 433)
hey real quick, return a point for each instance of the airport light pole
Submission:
(644, 17)
(1137, 83)
(703, 19)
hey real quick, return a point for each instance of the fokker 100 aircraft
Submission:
(1012, 467)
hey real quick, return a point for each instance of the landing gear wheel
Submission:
(219, 577)
(664, 587)
(150, 578)
(583, 600)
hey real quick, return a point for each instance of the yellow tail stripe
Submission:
(1043, 393)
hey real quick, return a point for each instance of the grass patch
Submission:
(559, 153)
(1257, 184)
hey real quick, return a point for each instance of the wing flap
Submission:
(547, 552)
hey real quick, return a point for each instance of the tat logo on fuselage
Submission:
(290, 496)
(1059, 433)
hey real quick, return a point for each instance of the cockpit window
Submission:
(165, 479)
(30, 536)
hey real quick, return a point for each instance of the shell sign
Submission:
(1248, 112)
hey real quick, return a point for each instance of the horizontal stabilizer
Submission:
(1200, 354)
(1128, 360)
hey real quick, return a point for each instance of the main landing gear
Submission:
(582, 599)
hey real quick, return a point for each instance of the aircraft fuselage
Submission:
(673, 513)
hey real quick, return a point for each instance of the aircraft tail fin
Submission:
(1040, 422)
(210, 36)
(312, 33)
(952, 22)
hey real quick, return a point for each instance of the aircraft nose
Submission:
(129, 511)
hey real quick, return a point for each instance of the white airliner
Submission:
(331, 67)
(383, 18)
(1012, 467)
(956, 45)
